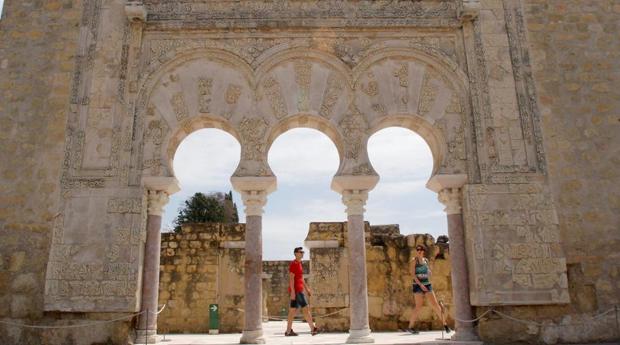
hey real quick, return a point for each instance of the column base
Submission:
(467, 334)
(252, 337)
(360, 336)
(146, 336)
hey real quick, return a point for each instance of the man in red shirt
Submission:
(296, 288)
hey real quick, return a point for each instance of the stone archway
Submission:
(177, 84)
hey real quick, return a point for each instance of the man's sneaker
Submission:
(316, 331)
(413, 331)
(448, 330)
(290, 333)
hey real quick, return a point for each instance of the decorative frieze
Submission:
(125, 205)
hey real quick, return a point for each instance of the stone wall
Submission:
(275, 285)
(202, 265)
(575, 64)
(390, 299)
(37, 70)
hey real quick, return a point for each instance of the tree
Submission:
(207, 208)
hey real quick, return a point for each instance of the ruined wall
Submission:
(574, 53)
(202, 265)
(38, 50)
(275, 287)
(390, 299)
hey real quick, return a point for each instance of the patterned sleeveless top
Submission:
(421, 272)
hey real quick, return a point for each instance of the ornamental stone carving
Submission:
(355, 200)
(354, 128)
(451, 198)
(157, 200)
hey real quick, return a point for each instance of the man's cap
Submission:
(298, 249)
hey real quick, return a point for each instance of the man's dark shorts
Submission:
(299, 301)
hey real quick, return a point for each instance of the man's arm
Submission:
(291, 284)
(307, 288)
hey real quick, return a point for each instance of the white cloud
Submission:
(397, 188)
(303, 156)
(206, 158)
(398, 153)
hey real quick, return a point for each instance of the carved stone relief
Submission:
(354, 127)
(514, 251)
(93, 263)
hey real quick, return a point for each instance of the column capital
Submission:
(254, 191)
(156, 201)
(451, 198)
(135, 11)
(254, 202)
(355, 200)
(158, 189)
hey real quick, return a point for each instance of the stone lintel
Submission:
(469, 11)
(354, 182)
(443, 181)
(170, 185)
(322, 244)
(232, 244)
(267, 184)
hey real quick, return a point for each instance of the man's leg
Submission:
(308, 317)
(289, 322)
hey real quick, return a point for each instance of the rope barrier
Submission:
(278, 318)
(476, 319)
(498, 313)
(160, 310)
(70, 326)
(94, 323)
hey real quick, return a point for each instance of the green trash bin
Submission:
(214, 319)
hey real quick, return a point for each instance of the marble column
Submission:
(147, 321)
(254, 191)
(451, 198)
(359, 331)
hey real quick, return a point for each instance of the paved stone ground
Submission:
(274, 334)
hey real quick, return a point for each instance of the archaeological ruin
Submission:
(203, 265)
(518, 100)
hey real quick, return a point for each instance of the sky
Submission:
(304, 161)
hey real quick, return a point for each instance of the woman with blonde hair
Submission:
(421, 272)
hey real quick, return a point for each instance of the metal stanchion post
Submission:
(441, 306)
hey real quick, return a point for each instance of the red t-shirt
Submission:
(297, 269)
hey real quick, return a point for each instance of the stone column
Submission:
(354, 190)
(158, 190)
(254, 191)
(359, 331)
(451, 198)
